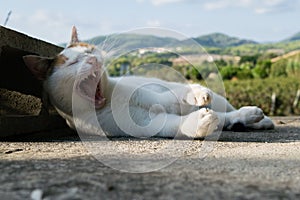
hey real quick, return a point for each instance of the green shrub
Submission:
(278, 69)
(259, 91)
(262, 69)
(229, 72)
(244, 74)
(293, 67)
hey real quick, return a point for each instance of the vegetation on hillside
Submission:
(259, 92)
(251, 49)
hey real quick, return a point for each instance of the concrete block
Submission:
(20, 93)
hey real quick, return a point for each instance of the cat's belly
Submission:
(123, 122)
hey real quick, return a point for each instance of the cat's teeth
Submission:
(94, 75)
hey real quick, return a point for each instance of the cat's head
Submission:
(77, 70)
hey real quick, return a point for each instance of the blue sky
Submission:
(260, 20)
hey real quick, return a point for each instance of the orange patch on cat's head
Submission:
(59, 60)
(82, 44)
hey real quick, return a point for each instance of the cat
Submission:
(132, 105)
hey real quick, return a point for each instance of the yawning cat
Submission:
(132, 105)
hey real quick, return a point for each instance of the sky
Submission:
(259, 20)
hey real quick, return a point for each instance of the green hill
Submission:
(221, 40)
(216, 43)
(295, 37)
(132, 41)
(135, 40)
(252, 49)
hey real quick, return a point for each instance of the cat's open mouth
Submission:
(90, 89)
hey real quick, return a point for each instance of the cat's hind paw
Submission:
(265, 124)
(249, 117)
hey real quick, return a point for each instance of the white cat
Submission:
(132, 105)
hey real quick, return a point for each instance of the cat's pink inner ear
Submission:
(74, 37)
(39, 66)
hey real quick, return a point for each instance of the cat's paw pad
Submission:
(198, 96)
(250, 115)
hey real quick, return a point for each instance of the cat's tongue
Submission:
(99, 99)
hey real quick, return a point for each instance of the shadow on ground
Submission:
(287, 130)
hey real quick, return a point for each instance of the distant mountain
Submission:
(132, 41)
(293, 38)
(221, 40)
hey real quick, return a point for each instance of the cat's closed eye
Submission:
(73, 62)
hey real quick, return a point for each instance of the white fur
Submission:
(142, 107)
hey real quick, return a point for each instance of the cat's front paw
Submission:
(208, 122)
(200, 123)
(198, 96)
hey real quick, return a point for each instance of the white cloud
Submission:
(273, 2)
(216, 5)
(268, 5)
(162, 2)
(222, 4)
(261, 10)
(257, 6)
(154, 23)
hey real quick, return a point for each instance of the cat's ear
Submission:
(74, 37)
(39, 66)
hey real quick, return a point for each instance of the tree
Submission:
(220, 63)
(229, 72)
(262, 69)
(249, 59)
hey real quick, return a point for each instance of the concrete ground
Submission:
(240, 165)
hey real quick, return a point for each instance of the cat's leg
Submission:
(197, 124)
(220, 104)
(184, 99)
(249, 116)
(199, 95)
(188, 98)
